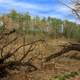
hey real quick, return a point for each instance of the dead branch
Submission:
(73, 46)
(10, 42)
(13, 64)
(7, 45)
(75, 10)
(29, 50)
(9, 54)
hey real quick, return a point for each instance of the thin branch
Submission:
(9, 54)
(70, 8)
(9, 43)
(29, 50)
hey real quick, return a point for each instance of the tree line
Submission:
(35, 25)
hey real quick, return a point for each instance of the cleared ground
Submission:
(46, 70)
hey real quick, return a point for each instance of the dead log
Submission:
(67, 48)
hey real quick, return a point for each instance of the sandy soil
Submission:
(50, 69)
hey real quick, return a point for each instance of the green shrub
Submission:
(66, 76)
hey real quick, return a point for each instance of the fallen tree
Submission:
(66, 48)
(13, 64)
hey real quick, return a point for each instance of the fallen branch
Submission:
(9, 54)
(29, 50)
(14, 64)
(72, 46)
(7, 45)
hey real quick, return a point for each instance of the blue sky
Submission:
(38, 7)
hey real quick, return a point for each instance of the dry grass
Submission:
(45, 70)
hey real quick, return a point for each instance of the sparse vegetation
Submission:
(66, 76)
(49, 27)
(40, 48)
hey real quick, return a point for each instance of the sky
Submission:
(43, 8)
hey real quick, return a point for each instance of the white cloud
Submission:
(14, 4)
(24, 5)
(59, 11)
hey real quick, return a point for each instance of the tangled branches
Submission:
(5, 56)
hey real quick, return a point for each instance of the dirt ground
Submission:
(50, 69)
